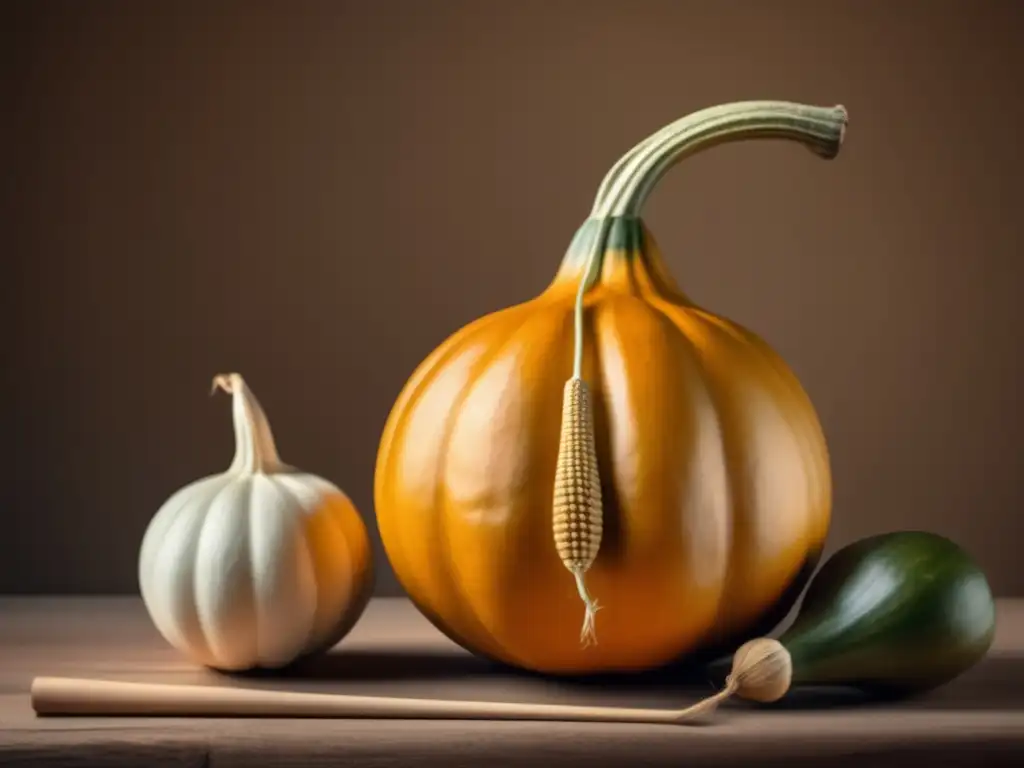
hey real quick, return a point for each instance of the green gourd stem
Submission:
(616, 171)
(628, 187)
(655, 140)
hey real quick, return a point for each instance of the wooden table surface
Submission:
(976, 720)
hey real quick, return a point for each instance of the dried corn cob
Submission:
(577, 520)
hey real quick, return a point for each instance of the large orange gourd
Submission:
(714, 492)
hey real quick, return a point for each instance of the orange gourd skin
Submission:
(715, 473)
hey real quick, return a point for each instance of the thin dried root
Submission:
(710, 704)
(588, 633)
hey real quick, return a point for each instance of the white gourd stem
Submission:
(255, 450)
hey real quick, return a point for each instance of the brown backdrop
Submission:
(316, 194)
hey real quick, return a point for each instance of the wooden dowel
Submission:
(75, 696)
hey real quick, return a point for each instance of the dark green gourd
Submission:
(896, 613)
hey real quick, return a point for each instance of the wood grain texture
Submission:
(978, 719)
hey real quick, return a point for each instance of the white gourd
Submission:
(257, 566)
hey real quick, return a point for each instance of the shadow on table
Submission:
(996, 683)
(359, 665)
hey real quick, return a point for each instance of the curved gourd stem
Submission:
(255, 450)
(625, 189)
(627, 186)
(616, 171)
